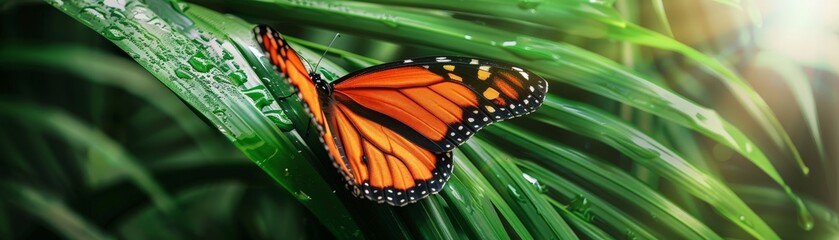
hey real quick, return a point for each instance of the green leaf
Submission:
(472, 177)
(469, 197)
(626, 90)
(100, 67)
(579, 223)
(603, 176)
(210, 73)
(535, 212)
(797, 81)
(50, 210)
(76, 132)
(645, 151)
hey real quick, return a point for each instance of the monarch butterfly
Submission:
(390, 129)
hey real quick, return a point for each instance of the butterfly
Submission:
(390, 129)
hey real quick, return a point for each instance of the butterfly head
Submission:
(322, 85)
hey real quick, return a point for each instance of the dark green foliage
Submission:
(93, 146)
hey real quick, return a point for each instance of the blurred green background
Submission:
(157, 119)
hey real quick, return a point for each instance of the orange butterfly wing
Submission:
(399, 122)
(390, 129)
(290, 64)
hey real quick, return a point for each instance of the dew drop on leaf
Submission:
(529, 4)
(745, 221)
(302, 196)
(581, 207)
(113, 33)
(535, 182)
(515, 192)
(92, 16)
(180, 73)
(630, 235)
(200, 64)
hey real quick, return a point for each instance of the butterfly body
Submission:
(390, 128)
(324, 88)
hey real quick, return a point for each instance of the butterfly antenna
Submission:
(327, 50)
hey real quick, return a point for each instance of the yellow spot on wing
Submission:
(448, 67)
(490, 109)
(483, 75)
(455, 77)
(490, 93)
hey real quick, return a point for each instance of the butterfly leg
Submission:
(279, 99)
(308, 126)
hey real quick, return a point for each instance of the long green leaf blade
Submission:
(651, 154)
(74, 131)
(210, 75)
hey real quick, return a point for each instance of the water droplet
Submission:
(113, 33)
(180, 73)
(542, 188)
(226, 55)
(115, 13)
(92, 16)
(700, 117)
(203, 36)
(805, 219)
(180, 6)
(744, 220)
(120, 4)
(302, 196)
(530, 49)
(515, 192)
(159, 23)
(141, 16)
(467, 37)
(279, 119)
(200, 63)
(389, 21)
(581, 207)
(529, 4)
(630, 235)
(225, 68)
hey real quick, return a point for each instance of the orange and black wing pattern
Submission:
(390, 129)
(398, 122)
(286, 60)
